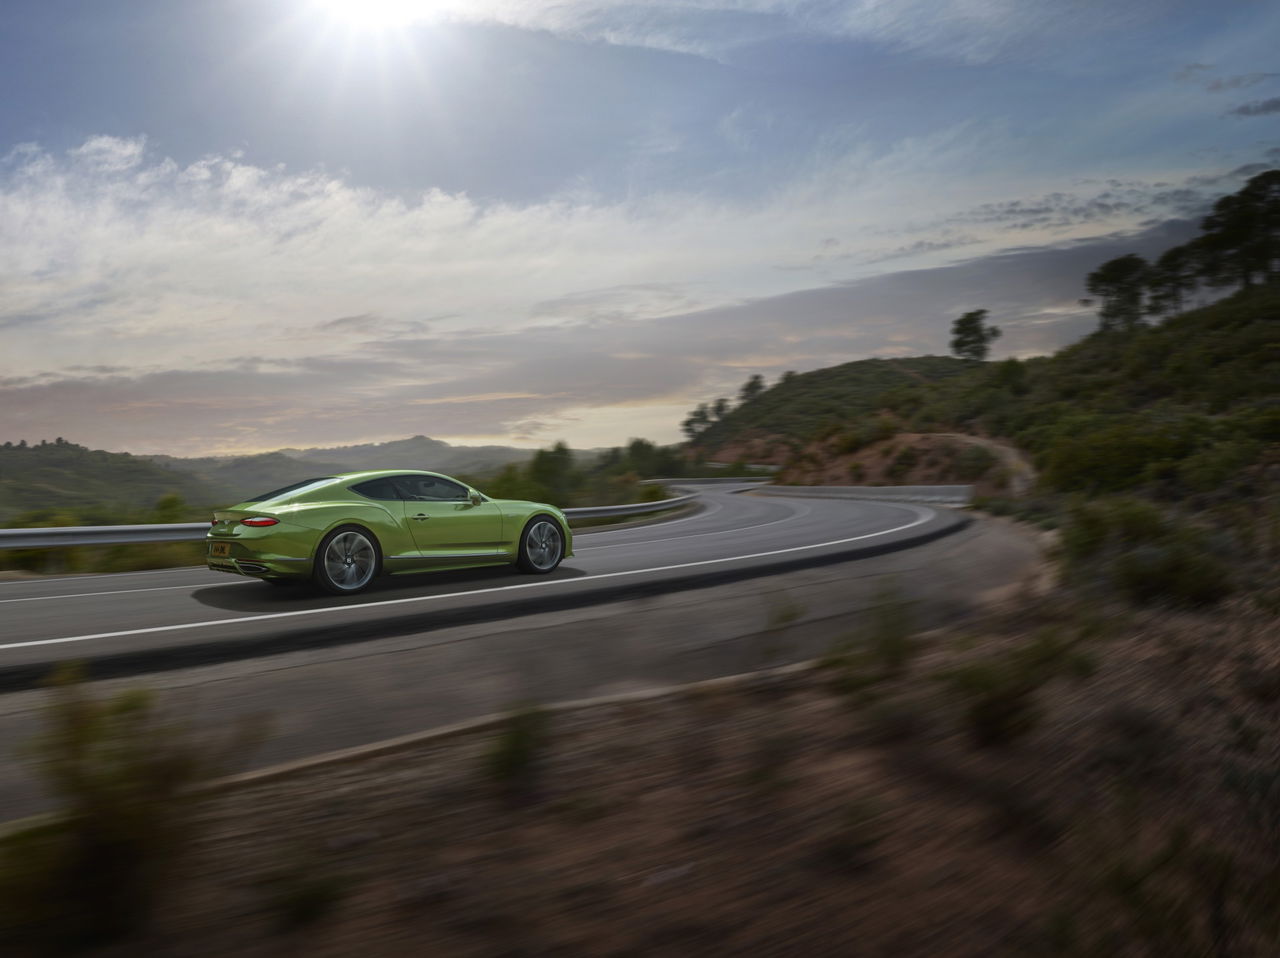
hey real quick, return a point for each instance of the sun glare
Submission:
(376, 15)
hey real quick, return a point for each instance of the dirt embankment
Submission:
(994, 468)
(837, 810)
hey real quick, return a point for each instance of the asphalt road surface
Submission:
(641, 607)
(137, 622)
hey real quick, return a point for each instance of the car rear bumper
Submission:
(258, 567)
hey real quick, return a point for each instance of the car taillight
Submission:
(259, 521)
(213, 522)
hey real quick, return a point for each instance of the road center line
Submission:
(923, 515)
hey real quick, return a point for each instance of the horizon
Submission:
(231, 226)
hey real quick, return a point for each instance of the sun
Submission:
(375, 15)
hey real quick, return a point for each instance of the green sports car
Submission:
(341, 531)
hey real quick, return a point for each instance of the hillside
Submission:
(234, 477)
(99, 486)
(800, 404)
(1189, 407)
(418, 452)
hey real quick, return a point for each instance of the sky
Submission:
(229, 226)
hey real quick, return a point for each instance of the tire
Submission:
(347, 561)
(541, 546)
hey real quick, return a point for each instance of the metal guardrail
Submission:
(627, 509)
(64, 536)
(61, 536)
(936, 495)
(705, 481)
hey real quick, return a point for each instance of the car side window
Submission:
(384, 489)
(431, 489)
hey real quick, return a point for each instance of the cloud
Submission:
(222, 305)
(1240, 82)
(972, 31)
(1201, 74)
(1257, 108)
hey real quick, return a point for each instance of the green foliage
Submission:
(63, 477)
(1130, 546)
(304, 891)
(881, 649)
(1120, 284)
(891, 631)
(849, 845)
(125, 778)
(99, 559)
(557, 476)
(971, 337)
(973, 462)
(863, 433)
(838, 394)
(514, 758)
(903, 463)
(752, 388)
(1000, 691)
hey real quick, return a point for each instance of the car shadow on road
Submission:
(265, 598)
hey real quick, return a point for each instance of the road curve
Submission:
(135, 622)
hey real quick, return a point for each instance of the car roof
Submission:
(379, 473)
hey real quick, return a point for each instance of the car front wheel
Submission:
(541, 546)
(346, 561)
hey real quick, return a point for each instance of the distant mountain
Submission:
(96, 486)
(63, 477)
(233, 478)
(419, 452)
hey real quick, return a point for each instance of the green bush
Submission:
(514, 758)
(1177, 571)
(1000, 691)
(126, 780)
(891, 634)
(973, 463)
(903, 463)
(1131, 547)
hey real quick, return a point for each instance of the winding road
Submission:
(136, 622)
(636, 607)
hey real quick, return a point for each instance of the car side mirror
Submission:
(476, 498)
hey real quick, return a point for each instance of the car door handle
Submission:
(420, 517)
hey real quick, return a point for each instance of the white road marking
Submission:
(923, 515)
(165, 588)
(109, 575)
(85, 595)
(698, 535)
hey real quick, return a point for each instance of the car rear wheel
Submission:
(541, 546)
(346, 561)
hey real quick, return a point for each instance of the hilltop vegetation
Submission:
(232, 478)
(801, 404)
(90, 484)
(1179, 409)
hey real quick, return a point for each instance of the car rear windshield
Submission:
(293, 487)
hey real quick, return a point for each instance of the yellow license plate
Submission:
(220, 548)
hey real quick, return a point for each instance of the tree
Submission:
(553, 470)
(1170, 279)
(752, 388)
(971, 337)
(697, 421)
(720, 408)
(1241, 241)
(1119, 284)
